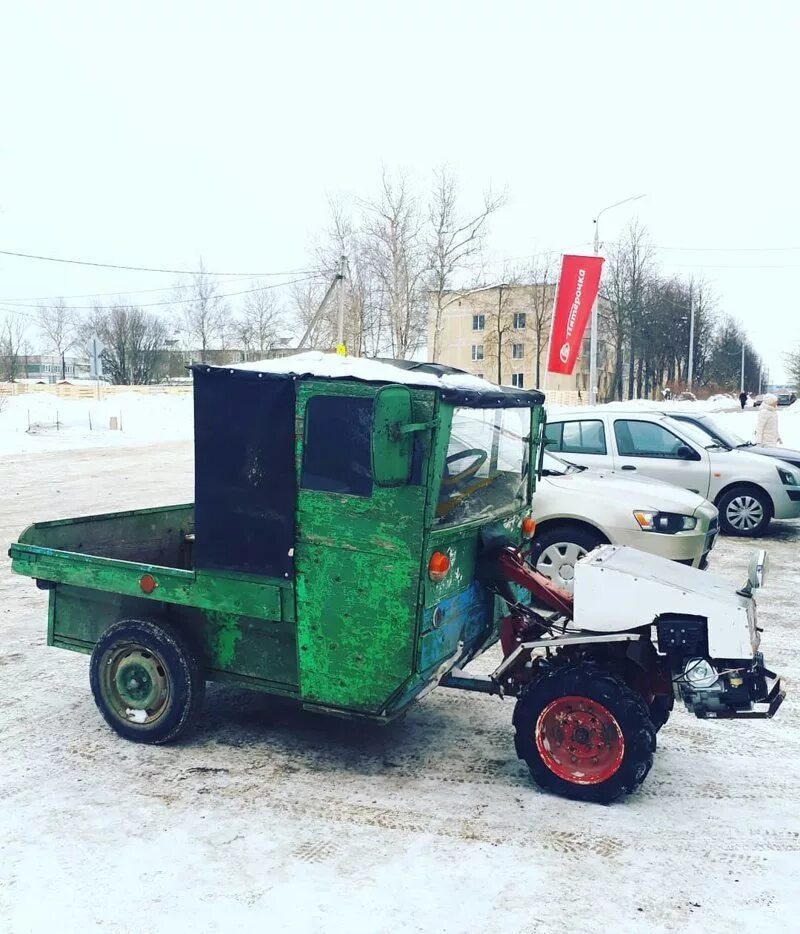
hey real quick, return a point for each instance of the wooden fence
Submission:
(77, 391)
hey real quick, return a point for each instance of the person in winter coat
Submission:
(743, 399)
(767, 431)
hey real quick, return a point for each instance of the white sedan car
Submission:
(749, 490)
(578, 509)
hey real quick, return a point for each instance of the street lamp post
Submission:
(593, 331)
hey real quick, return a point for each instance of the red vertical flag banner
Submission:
(575, 295)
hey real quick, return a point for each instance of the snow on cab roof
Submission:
(335, 366)
(461, 387)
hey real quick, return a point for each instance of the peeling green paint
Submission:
(227, 633)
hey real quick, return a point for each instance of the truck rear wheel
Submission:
(583, 732)
(147, 682)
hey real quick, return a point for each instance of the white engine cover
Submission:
(618, 589)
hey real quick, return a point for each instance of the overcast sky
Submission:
(148, 134)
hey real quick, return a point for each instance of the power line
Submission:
(178, 272)
(120, 292)
(180, 301)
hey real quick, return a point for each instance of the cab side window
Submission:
(337, 451)
(645, 439)
(579, 437)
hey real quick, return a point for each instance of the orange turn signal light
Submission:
(147, 583)
(438, 566)
(528, 527)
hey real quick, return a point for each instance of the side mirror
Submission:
(685, 453)
(757, 569)
(391, 447)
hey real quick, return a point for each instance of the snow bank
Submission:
(38, 422)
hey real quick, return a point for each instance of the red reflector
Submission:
(438, 566)
(528, 526)
(148, 583)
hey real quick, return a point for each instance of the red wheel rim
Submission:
(579, 740)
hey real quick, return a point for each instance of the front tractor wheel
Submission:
(147, 682)
(584, 733)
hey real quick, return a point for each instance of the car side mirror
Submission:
(685, 453)
(392, 446)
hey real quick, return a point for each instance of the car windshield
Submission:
(486, 465)
(698, 434)
(725, 434)
(553, 466)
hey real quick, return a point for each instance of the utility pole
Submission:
(742, 366)
(593, 330)
(690, 373)
(340, 338)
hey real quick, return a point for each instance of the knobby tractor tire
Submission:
(147, 681)
(603, 702)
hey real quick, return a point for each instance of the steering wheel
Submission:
(454, 479)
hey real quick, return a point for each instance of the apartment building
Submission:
(501, 333)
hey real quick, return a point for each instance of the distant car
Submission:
(577, 509)
(749, 490)
(722, 435)
(785, 397)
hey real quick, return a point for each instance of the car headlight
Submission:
(665, 522)
(787, 477)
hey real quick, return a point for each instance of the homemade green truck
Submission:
(358, 536)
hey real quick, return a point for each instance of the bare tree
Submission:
(344, 237)
(12, 341)
(204, 312)
(397, 258)
(453, 242)
(630, 271)
(499, 323)
(257, 327)
(134, 340)
(543, 276)
(58, 325)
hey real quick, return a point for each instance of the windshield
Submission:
(698, 434)
(486, 465)
(553, 466)
(726, 435)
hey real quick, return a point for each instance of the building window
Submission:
(518, 380)
(517, 351)
(478, 322)
(477, 351)
(519, 320)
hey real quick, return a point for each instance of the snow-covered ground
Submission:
(271, 819)
(36, 422)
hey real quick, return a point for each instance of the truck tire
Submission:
(744, 511)
(584, 733)
(147, 682)
(555, 551)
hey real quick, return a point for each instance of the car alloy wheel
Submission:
(557, 562)
(744, 512)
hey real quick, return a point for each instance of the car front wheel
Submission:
(556, 551)
(744, 511)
